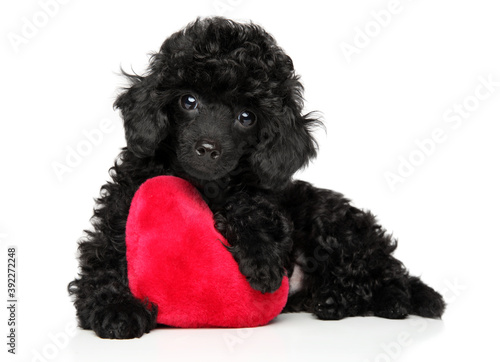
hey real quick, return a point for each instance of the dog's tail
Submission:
(425, 301)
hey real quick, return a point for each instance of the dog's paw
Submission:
(266, 278)
(391, 302)
(259, 238)
(123, 320)
(328, 308)
(394, 311)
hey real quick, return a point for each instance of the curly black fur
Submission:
(221, 106)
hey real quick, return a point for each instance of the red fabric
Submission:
(177, 260)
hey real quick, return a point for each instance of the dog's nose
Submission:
(207, 147)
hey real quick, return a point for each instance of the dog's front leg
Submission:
(259, 236)
(101, 293)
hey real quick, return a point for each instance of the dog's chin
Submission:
(207, 174)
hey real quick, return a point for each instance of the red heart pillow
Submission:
(177, 259)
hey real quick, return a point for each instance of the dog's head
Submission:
(220, 94)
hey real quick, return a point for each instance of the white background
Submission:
(429, 57)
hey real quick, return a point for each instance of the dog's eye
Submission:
(189, 102)
(247, 118)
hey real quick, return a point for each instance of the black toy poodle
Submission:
(221, 106)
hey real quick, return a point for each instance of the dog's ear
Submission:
(285, 145)
(141, 106)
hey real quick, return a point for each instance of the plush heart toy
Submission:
(178, 260)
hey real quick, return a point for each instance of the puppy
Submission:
(221, 106)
